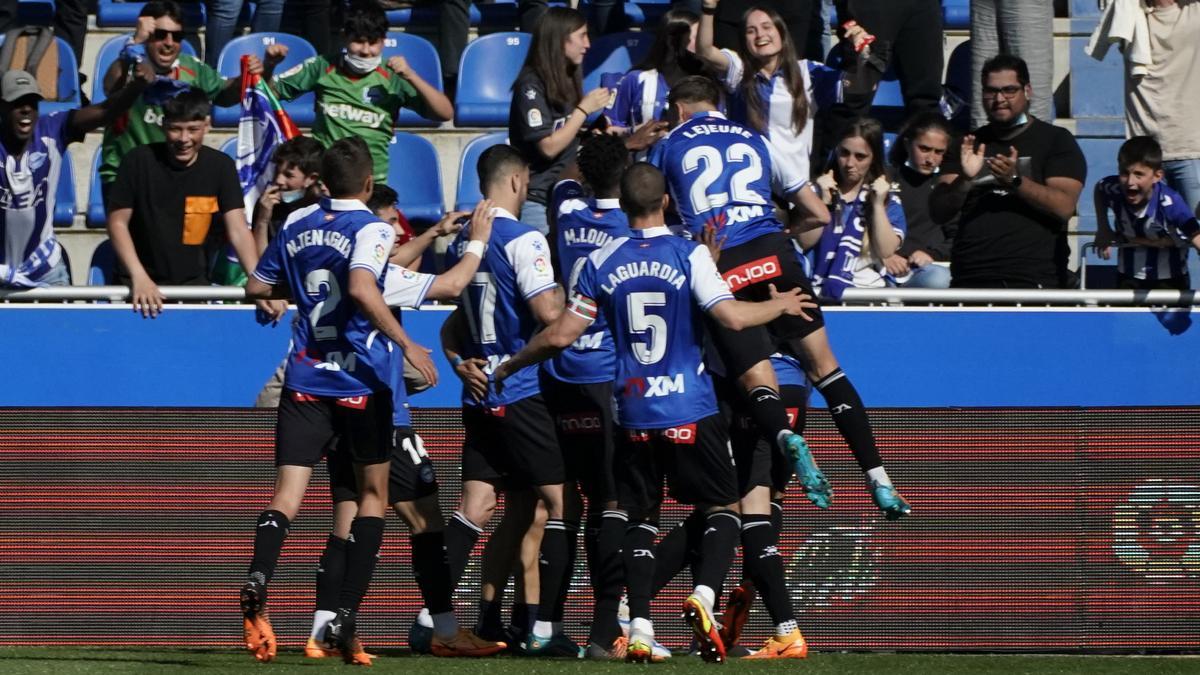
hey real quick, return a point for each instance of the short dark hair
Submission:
(156, 9)
(1140, 150)
(381, 198)
(602, 159)
(303, 152)
(917, 125)
(365, 20)
(497, 162)
(642, 189)
(1002, 62)
(695, 89)
(189, 105)
(346, 167)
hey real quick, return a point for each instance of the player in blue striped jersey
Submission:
(722, 174)
(577, 384)
(654, 289)
(333, 255)
(509, 446)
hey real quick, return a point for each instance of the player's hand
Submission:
(273, 309)
(714, 244)
(418, 357)
(147, 299)
(470, 371)
(595, 100)
(646, 135)
(481, 221)
(971, 158)
(794, 302)
(897, 265)
(919, 258)
(254, 65)
(880, 188)
(270, 197)
(399, 65)
(143, 29)
(274, 55)
(1004, 167)
(498, 377)
(448, 224)
(827, 187)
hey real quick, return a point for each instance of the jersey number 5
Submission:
(708, 161)
(655, 346)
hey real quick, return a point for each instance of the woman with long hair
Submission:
(916, 158)
(867, 224)
(548, 106)
(642, 92)
(770, 88)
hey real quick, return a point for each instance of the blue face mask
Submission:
(1021, 121)
(289, 196)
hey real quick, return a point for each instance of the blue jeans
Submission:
(929, 276)
(222, 22)
(533, 214)
(1184, 176)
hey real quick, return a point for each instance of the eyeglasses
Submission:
(1009, 92)
(161, 34)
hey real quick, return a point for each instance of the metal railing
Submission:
(122, 294)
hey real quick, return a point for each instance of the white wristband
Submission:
(477, 247)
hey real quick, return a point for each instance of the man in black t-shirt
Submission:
(165, 201)
(1014, 187)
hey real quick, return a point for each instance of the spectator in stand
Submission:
(356, 95)
(156, 41)
(1013, 186)
(8, 14)
(802, 18)
(549, 108)
(32, 147)
(1023, 28)
(70, 24)
(642, 92)
(1161, 102)
(867, 224)
(297, 184)
(769, 88)
(162, 208)
(906, 34)
(1155, 225)
(223, 22)
(454, 26)
(924, 258)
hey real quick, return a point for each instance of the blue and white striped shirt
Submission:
(28, 185)
(1165, 215)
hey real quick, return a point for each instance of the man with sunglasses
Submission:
(158, 41)
(1015, 184)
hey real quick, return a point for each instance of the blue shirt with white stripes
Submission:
(28, 185)
(1165, 215)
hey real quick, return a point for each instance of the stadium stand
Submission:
(421, 189)
(486, 72)
(614, 53)
(117, 14)
(423, 57)
(64, 194)
(108, 53)
(301, 109)
(35, 12)
(956, 14)
(468, 193)
(100, 270)
(68, 97)
(96, 215)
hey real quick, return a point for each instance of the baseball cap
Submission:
(18, 84)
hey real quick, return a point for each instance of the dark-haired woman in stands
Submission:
(923, 258)
(867, 225)
(642, 92)
(770, 87)
(548, 106)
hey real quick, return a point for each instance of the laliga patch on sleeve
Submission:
(535, 117)
(380, 254)
(541, 265)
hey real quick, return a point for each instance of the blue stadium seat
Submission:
(614, 53)
(416, 176)
(230, 65)
(35, 12)
(468, 194)
(422, 56)
(229, 147)
(109, 51)
(1097, 91)
(486, 73)
(101, 271)
(117, 14)
(64, 194)
(69, 96)
(956, 14)
(96, 215)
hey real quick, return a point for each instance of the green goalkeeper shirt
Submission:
(364, 106)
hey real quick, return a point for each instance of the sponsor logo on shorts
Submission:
(681, 435)
(498, 411)
(354, 402)
(753, 272)
(793, 414)
(580, 423)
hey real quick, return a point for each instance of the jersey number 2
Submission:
(333, 295)
(711, 165)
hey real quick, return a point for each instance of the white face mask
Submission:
(289, 196)
(358, 65)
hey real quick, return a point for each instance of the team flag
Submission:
(264, 125)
